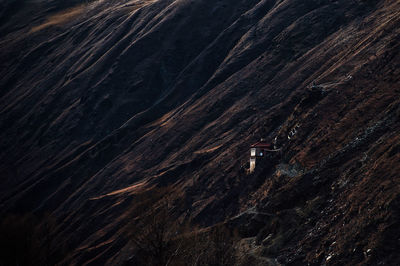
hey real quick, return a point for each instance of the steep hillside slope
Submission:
(101, 102)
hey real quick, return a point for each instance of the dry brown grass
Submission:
(60, 18)
(133, 6)
(70, 13)
(130, 189)
(208, 150)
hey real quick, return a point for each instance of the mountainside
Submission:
(108, 108)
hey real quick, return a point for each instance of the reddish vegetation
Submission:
(101, 111)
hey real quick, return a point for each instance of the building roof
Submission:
(261, 145)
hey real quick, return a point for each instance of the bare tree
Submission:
(160, 239)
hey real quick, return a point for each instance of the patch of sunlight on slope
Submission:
(208, 150)
(129, 189)
(133, 6)
(70, 13)
(61, 17)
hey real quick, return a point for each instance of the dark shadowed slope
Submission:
(101, 101)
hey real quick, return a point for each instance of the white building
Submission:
(257, 151)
